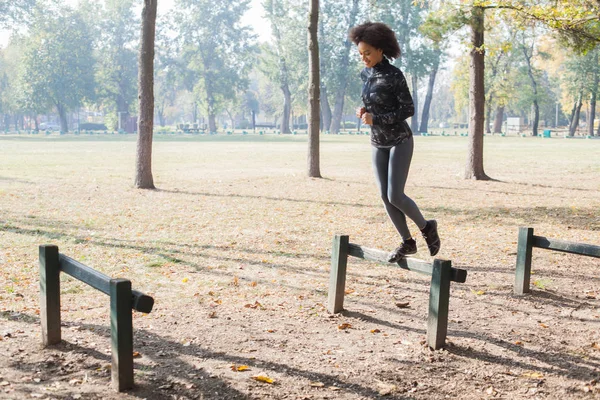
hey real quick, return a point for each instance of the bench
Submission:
(441, 272)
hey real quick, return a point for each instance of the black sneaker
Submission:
(407, 247)
(430, 234)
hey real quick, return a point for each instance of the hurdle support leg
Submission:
(50, 294)
(121, 332)
(439, 300)
(523, 270)
(337, 275)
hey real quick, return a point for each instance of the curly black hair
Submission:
(378, 35)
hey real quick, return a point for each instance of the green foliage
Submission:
(118, 39)
(15, 12)
(57, 67)
(286, 61)
(214, 49)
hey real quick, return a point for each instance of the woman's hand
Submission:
(367, 118)
(360, 111)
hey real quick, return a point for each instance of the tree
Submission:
(14, 11)
(474, 167)
(577, 23)
(216, 51)
(314, 81)
(419, 55)
(338, 17)
(286, 63)
(117, 63)
(143, 162)
(58, 63)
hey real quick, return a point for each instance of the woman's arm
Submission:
(405, 108)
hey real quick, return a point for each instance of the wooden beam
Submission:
(523, 267)
(337, 275)
(139, 301)
(439, 300)
(566, 247)
(121, 333)
(49, 294)
(408, 263)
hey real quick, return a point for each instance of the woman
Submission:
(388, 104)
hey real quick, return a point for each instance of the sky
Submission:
(253, 18)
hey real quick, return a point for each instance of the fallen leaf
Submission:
(4, 383)
(253, 284)
(334, 388)
(532, 375)
(595, 346)
(348, 291)
(544, 325)
(344, 326)
(212, 314)
(255, 305)
(184, 280)
(136, 354)
(375, 331)
(386, 389)
(478, 292)
(239, 368)
(491, 390)
(519, 343)
(262, 378)
(402, 305)
(317, 384)
(271, 330)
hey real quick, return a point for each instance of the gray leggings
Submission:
(391, 170)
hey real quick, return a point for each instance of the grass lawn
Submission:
(234, 245)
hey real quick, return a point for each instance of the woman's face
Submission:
(369, 54)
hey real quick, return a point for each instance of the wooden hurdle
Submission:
(441, 272)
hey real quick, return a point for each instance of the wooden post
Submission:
(49, 294)
(439, 299)
(121, 332)
(523, 271)
(337, 276)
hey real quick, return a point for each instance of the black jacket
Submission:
(386, 97)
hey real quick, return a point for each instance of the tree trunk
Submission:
(314, 80)
(575, 119)
(287, 109)
(253, 120)
(195, 112)
(499, 119)
(325, 109)
(143, 162)
(474, 167)
(429, 96)
(342, 72)
(62, 115)
(122, 112)
(160, 112)
(414, 120)
(488, 113)
(536, 107)
(594, 96)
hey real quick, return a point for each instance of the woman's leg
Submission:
(381, 163)
(400, 157)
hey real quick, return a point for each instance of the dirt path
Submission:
(236, 252)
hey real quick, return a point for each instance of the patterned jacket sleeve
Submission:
(405, 108)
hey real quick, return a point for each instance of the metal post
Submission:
(439, 300)
(121, 332)
(337, 275)
(523, 270)
(49, 294)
